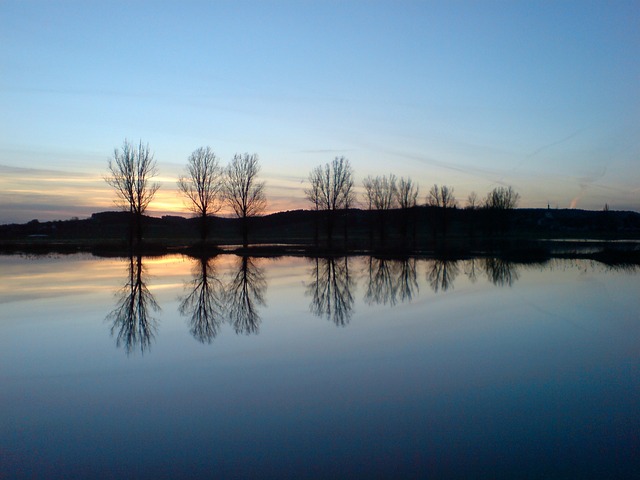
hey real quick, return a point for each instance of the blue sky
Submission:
(543, 96)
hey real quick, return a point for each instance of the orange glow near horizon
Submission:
(280, 197)
(48, 195)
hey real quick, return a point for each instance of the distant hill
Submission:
(418, 228)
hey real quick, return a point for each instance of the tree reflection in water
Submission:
(500, 272)
(390, 279)
(472, 268)
(204, 305)
(442, 273)
(208, 301)
(131, 320)
(330, 290)
(243, 294)
(381, 288)
(407, 279)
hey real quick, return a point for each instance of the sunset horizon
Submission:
(539, 96)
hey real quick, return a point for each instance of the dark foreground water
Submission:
(317, 368)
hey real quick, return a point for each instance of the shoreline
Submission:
(618, 251)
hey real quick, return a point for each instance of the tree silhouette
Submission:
(244, 294)
(314, 195)
(497, 205)
(243, 192)
(472, 201)
(381, 194)
(202, 186)
(442, 199)
(331, 189)
(502, 198)
(130, 172)
(331, 290)
(407, 199)
(131, 320)
(407, 193)
(471, 214)
(204, 304)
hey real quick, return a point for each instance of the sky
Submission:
(543, 96)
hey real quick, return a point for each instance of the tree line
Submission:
(207, 186)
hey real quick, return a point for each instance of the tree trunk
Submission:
(330, 229)
(245, 232)
(381, 223)
(132, 228)
(203, 227)
(316, 234)
(370, 227)
(139, 228)
(346, 228)
(404, 220)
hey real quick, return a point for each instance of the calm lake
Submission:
(173, 367)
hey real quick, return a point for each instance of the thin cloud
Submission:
(8, 169)
(324, 150)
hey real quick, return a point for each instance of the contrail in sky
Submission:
(558, 142)
(485, 173)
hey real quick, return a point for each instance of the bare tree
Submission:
(498, 204)
(442, 198)
(381, 192)
(314, 195)
(407, 198)
(381, 195)
(471, 216)
(202, 186)
(407, 193)
(130, 172)
(330, 190)
(502, 198)
(472, 201)
(349, 200)
(242, 190)
(369, 194)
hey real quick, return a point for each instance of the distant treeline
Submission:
(395, 216)
(419, 229)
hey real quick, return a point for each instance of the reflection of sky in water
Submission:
(535, 375)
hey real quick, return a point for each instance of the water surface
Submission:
(238, 367)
